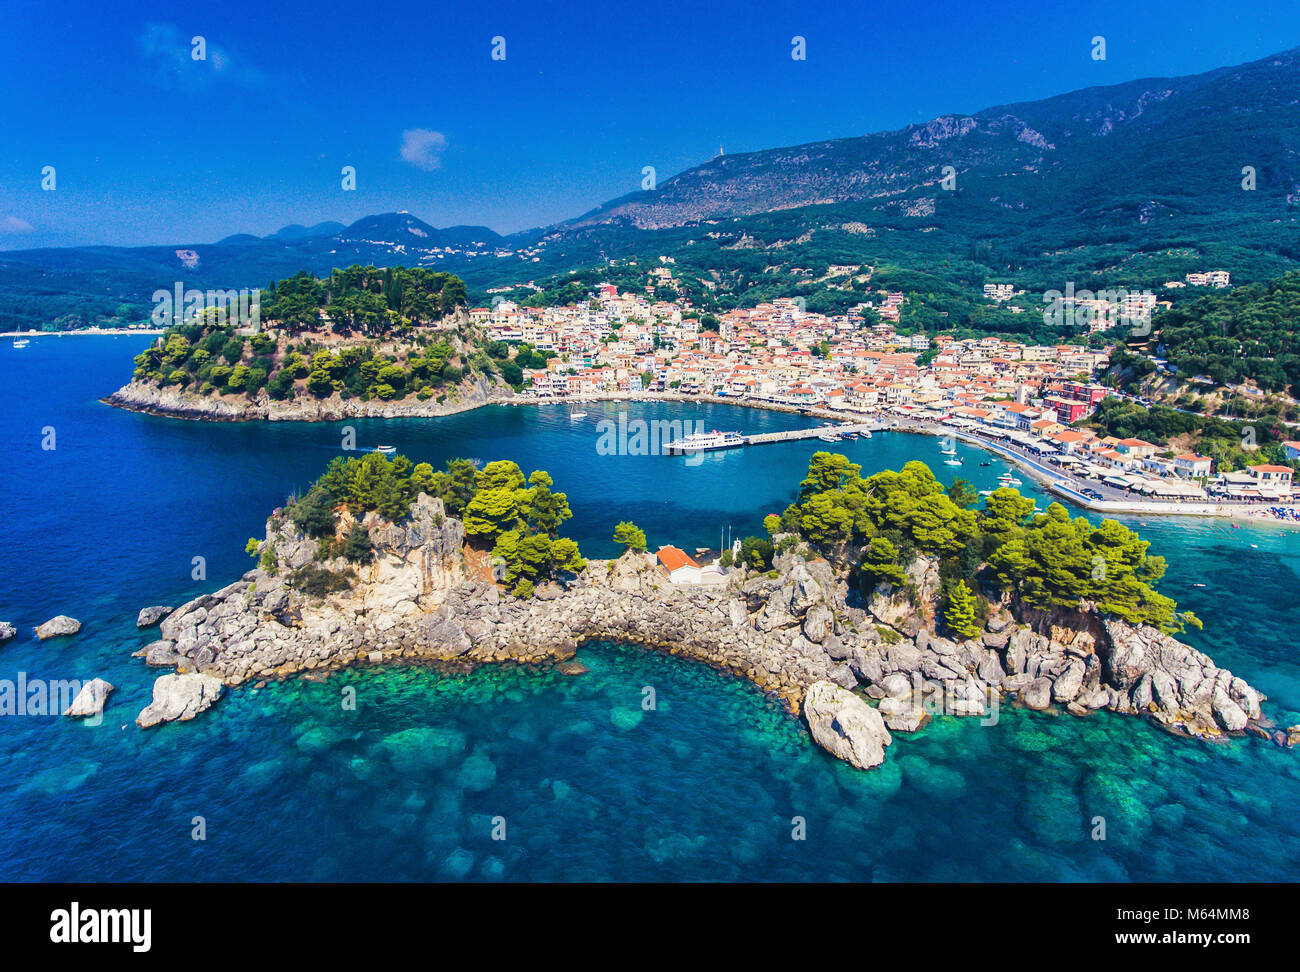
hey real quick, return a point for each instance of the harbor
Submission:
(710, 441)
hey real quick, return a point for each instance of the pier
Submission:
(763, 438)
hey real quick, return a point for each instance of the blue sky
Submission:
(151, 146)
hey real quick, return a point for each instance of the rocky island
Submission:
(944, 609)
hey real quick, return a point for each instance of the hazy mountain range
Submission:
(1123, 185)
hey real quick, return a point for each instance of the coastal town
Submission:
(1024, 400)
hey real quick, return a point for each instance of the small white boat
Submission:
(574, 416)
(1007, 479)
(21, 343)
(829, 437)
(952, 462)
(386, 449)
(864, 434)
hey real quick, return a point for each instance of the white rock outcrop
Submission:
(846, 726)
(61, 625)
(90, 700)
(178, 698)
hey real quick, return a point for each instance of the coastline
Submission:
(173, 403)
(799, 633)
(95, 332)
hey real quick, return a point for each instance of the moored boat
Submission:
(705, 442)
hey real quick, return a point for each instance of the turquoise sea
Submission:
(412, 783)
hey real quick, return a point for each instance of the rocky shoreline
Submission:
(797, 633)
(174, 402)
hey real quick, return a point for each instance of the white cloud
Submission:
(12, 225)
(423, 148)
(171, 55)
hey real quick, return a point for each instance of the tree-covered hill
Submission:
(1043, 559)
(1246, 334)
(360, 333)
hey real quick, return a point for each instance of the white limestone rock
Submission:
(846, 726)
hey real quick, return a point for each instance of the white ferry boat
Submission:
(706, 442)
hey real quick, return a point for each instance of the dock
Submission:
(763, 438)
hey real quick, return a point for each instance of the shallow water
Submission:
(588, 785)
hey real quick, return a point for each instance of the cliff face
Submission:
(798, 635)
(174, 402)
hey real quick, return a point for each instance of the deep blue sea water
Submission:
(293, 786)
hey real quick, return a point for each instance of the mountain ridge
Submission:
(1118, 183)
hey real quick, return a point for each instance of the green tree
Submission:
(314, 513)
(756, 553)
(357, 546)
(630, 535)
(959, 611)
(879, 565)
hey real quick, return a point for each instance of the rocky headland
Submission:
(172, 401)
(854, 670)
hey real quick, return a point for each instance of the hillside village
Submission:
(1029, 397)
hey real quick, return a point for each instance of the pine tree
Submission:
(629, 535)
(959, 611)
(357, 547)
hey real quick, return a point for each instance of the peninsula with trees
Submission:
(365, 341)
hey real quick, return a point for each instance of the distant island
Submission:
(873, 603)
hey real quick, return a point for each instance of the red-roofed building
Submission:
(679, 567)
(1189, 465)
(1279, 477)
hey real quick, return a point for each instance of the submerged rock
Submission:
(90, 700)
(901, 714)
(7, 631)
(845, 726)
(61, 625)
(150, 616)
(180, 698)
